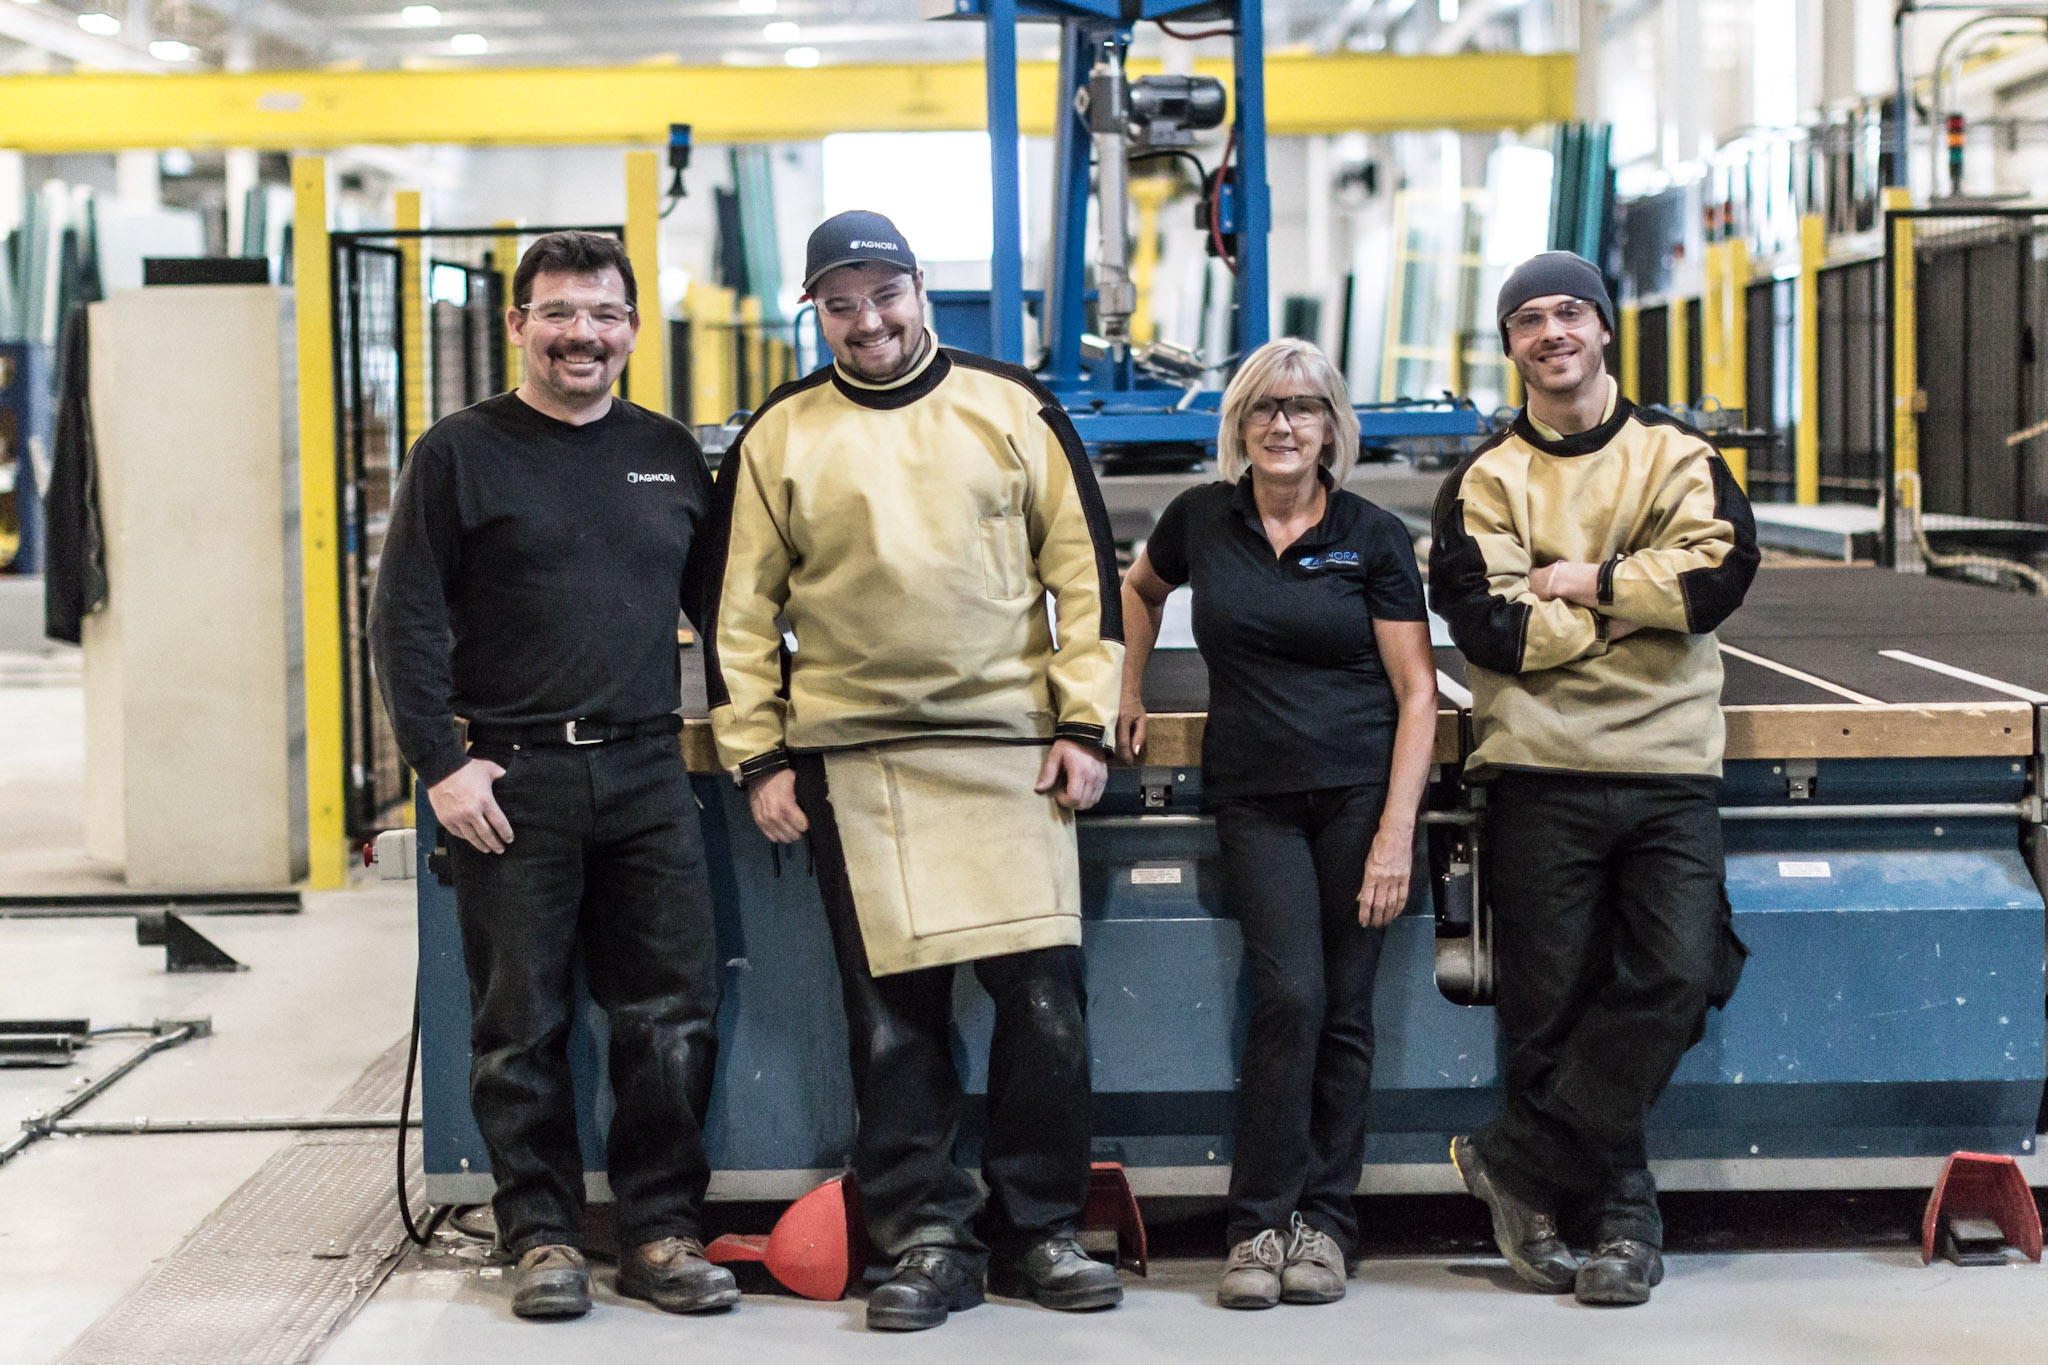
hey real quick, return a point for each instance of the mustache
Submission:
(582, 351)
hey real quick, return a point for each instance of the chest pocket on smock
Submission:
(1005, 557)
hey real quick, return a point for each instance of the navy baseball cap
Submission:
(854, 238)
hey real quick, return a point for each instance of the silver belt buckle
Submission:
(569, 733)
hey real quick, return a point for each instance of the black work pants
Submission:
(1035, 1150)
(1293, 865)
(607, 856)
(1612, 937)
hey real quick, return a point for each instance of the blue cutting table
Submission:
(1892, 1010)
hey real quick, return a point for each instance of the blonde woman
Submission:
(1322, 714)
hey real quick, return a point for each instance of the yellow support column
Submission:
(1734, 380)
(1149, 193)
(709, 309)
(319, 562)
(1714, 322)
(507, 252)
(1678, 388)
(1905, 337)
(1629, 342)
(1813, 247)
(405, 216)
(647, 371)
(749, 341)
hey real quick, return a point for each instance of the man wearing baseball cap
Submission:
(1583, 559)
(907, 511)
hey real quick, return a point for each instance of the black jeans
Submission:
(1612, 936)
(607, 855)
(1035, 1151)
(1293, 865)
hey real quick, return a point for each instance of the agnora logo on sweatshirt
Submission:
(1314, 562)
(649, 478)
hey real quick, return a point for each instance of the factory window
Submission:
(934, 186)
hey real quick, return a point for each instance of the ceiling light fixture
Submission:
(757, 6)
(419, 16)
(801, 56)
(469, 45)
(105, 25)
(781, 31)
(171, 50)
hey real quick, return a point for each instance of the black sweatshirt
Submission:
(533, 573)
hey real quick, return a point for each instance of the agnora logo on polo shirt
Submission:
(1313, 562)
(649, 478)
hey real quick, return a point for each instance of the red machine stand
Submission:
(1112, 1205)
(1981, 1188)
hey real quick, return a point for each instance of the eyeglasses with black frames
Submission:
(1263, 411)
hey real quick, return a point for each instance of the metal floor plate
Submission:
(284, 1263)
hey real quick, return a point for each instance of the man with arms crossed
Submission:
(1583, 560)
(907, 510)
(541, 545)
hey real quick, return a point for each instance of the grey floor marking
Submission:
(284, 1263)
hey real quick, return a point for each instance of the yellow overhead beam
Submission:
(312, 110)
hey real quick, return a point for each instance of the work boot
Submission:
(1313, 1271)
(1525, 1234)
(928, 1283)
(673, 1275)
(1619, 1273)
(552, 1282)
(1251, 1277)
(1058, 1274)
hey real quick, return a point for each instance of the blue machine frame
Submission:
(1892, 1007)
(1113, 405)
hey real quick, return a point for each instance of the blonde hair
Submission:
(1290, 358)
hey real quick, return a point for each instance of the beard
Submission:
(556, 378)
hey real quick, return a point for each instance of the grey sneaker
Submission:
(552, 1282)
(1525, 1234)
(1314, 1269)
(1251, 1277)
(673, 1275)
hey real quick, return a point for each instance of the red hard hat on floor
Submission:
(809, 1252)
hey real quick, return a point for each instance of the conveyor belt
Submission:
(1832, 623)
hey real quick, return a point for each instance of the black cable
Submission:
(1158, 153)
(436, 1213)
(1170, 31)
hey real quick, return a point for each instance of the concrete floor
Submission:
(82, 1220)
(1755, 1309)
(328, 990)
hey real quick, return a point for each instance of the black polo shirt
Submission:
(1298, 697)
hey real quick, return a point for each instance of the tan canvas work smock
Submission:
(910, 535)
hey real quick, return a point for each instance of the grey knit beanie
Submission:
(1553, 272)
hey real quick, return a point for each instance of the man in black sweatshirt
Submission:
(541, 545)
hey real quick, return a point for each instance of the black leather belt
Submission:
(573, 732)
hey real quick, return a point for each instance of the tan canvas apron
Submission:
(951, 855)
